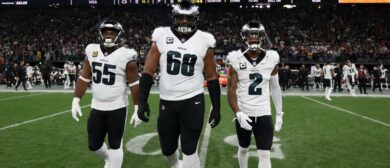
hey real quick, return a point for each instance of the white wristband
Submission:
(134, 83)
(84, 79)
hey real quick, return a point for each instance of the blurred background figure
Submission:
(337, 78)
(362, 78)
(383, 77)
(303, 75)
(21, 75)
(376, 74)
(46, 69)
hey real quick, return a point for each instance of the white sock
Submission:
(191, 161)
(326, 92)
(116, 158)
(264, 158)
(243, 155)
(28, 85)
(330, 91)
(173, 160)
(103, 152)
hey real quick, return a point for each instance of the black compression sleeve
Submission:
(215, 93)
(145, 83)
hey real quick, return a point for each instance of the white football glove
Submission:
(134, 118)
(76, 110)
(244, 120)
(278, 122)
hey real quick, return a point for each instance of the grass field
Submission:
(37, 130)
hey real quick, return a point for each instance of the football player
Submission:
(349, 76)
(66, 75)
(376, 74)
(21, 74)
(109, 66)
(317, 77)
(253, 76)
(328, 72)
(183, 53)
(72, 74)
(30, 73)
(383, 77)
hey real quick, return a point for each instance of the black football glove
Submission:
(215, 117)
(143, 112)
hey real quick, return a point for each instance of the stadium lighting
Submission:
(289, 6)
(268, 6)
(261, 6)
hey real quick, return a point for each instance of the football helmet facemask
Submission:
(253, 34)
(110, 25)
(185, 17)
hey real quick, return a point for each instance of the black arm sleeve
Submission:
(215, 93)
(145, 83)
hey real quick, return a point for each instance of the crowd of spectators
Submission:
(304, 34)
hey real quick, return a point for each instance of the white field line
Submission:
(16, 97)
(205, 143)
(348, 112)
(38, 119)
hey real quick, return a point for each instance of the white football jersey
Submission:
(30, 71)
(253, 82)
(72, 69)
(181, 63)
(317, 72)
(350, 70)
(109, 88)
(383, 75)
(66, 68)
(328, 71)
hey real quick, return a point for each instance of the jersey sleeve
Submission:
(88, 51)
(157, 33)
(211, 42)
(231, 59)
(132, 55)
(275, 56)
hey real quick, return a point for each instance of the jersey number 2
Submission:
(98, 73)
(252, 88)
(174, 66)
